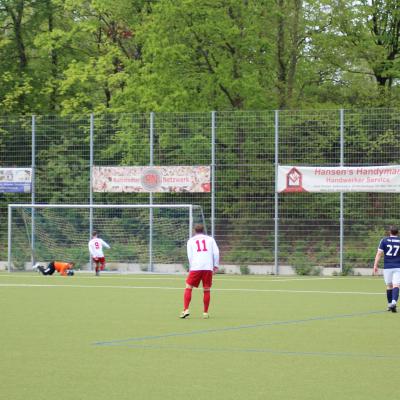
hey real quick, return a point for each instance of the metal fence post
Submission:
(91, 156)
(341, 193)
(33, 189)
(213, 115)
(151, 212)
(276, 206)
(9, 233)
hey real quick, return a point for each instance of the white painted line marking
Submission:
(181, 288)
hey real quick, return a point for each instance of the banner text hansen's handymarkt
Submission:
(339, 179)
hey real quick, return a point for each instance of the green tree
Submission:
(105, 31)
(201, 55)
(359, 45)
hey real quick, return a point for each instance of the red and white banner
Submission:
(339, 179)
(152, 179)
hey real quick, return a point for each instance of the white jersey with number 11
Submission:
(202, 252)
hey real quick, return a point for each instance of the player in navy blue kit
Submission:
(390, 248)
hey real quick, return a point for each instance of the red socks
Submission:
(187, 296)
(206, 300)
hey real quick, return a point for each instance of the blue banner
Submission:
(15, 180)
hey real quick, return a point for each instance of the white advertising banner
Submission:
(15, 180)
(152, 179)
(339, 179)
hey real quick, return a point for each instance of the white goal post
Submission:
(139, 234)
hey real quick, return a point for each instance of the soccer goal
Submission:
(142, 237)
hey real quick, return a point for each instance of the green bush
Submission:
(303, 266)
(347, 271)
(244, 270)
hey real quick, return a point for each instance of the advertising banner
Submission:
(15, 180)
(339, 179)
(152, 179)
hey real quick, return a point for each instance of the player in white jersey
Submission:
(96, 251)
(203, 256)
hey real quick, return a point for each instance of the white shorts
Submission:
(392, 276)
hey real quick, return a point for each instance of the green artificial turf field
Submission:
(119, 337)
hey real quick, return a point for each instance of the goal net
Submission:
(142, 237)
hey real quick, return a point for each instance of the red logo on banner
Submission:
(294, 181)
(151, 179)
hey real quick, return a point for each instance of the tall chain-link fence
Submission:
(251, 223)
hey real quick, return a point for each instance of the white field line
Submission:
(27, 285)
(182, 277)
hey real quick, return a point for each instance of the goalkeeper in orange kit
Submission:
(63, 268)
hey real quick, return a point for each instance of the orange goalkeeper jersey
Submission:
(62, 267)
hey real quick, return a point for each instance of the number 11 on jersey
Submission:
(199, 245)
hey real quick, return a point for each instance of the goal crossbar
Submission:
(37, 205)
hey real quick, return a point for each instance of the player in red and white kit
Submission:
(203, 255)
(96, 251)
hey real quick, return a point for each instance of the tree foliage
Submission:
(101, 55)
